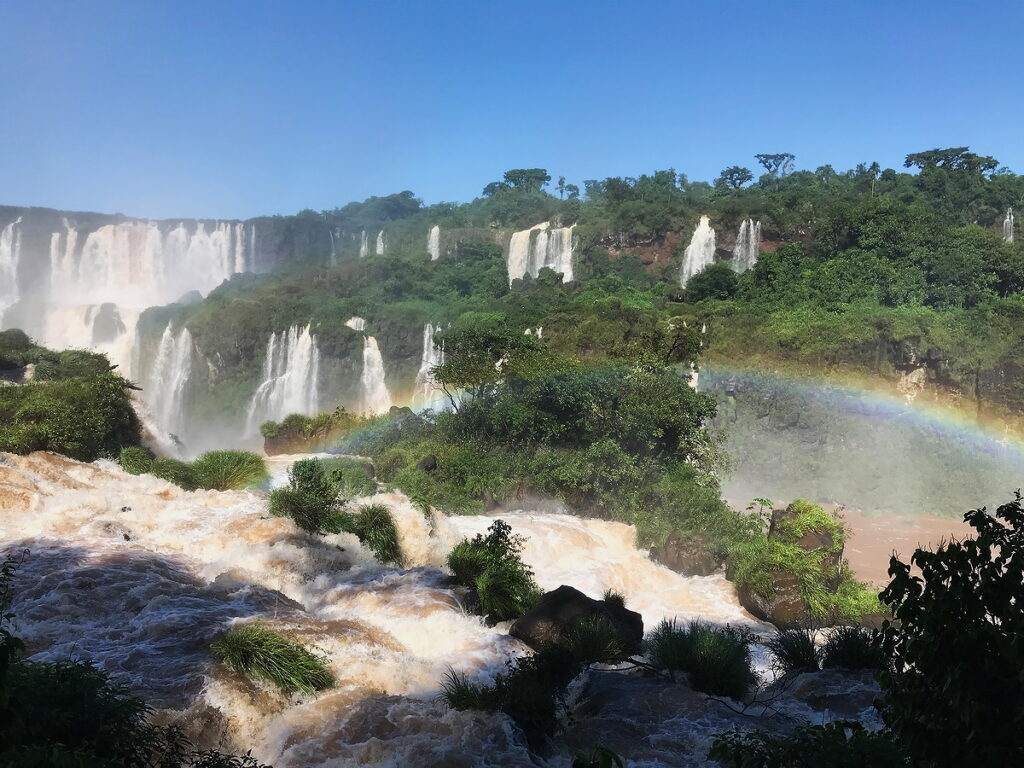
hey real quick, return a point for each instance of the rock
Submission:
(688, 556)
(428, 463)
(563, 608)
(784, 609)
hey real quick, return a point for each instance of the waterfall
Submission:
(381, 245)
(541, 246)
(364, 245)
(356, 323)
(748, 245)
(434, 242)
(10, 254)
(700, 253)
(334, 249)
(290, 379)
(1008, 226)
(433, 356)
(166, 387)
(374, 394)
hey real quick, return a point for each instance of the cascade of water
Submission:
(374, 394)
(1008, 226)
(10, 256)
(434, 242)
(290, 379)
(167, 385)
(541, 246)
(700, 253)
(748, 245)
(433, 356)
(356, 323)
(364, 245)
(381, 244)
(334, 249)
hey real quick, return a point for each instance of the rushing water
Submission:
(167, 386)
(434, 242)
(139, 576)
(10, 257)
(748, 245)
(700, 253)
(1008, 226)
(432, 356)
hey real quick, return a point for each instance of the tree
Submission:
(954, 693)
(778, 164)
(954, 158)
(561, 187)
(716, 281)
(573, 191)
(734, 177)
(494, 187)
(527, 178)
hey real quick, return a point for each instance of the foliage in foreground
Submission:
(954, 689)
(214, 470)
(716, 660)
(794, 650)
(852, 648)
(836, 745)
(491, 567)
(256, 652)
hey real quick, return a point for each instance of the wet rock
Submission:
(783, 609)
(428, 463)
(561, 609)
(688, 556)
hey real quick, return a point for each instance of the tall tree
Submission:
(778, 164)
(734, 177)
(527, 178)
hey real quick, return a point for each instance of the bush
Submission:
(794, 650)
(852, 648)
(836, 745)
(594, 639)
(375, 527)
(229, 470)
(178, 472)
(491, 568)
(717, 660)
(352, 477)
(308, 512)
(136, 460)
(614, 599)
(258, 653)
(953, 692)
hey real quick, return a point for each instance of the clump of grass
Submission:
(794, 650)
(309, 513)
(352, 477)
(458, 693)
(178, 472)
(614, 599)
(136, 460)
(717, 660)
(599, 757)
(229, 470)
(594, 639)
(375, 527)
(258, 653)
(852, 648)
(491, 567)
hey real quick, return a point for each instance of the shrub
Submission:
(308, 512)
(717, 660)
(852, 648)
(270, 429)
(309, 476)
(491, 567)
(178, 472)
(352, 477)
(229, 470)
(594, 639)
(953, 692)
(256, 652)
(794, 650)
(836, 745)
(614, 599)
(136, 460)
(599, 757)
(375, 527)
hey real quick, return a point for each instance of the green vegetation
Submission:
(316, 497)
(717, 661)
(794, 650)
(298, 433)
(837, 745)
(214, 470)
(952, 687)
(256, 652)
(74, 403)
(599, 757)
(852, 648)
(827, 587)
(614, 599)
(491, 568)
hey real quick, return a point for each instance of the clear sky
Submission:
(236, 109)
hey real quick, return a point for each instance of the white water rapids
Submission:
(139, 576)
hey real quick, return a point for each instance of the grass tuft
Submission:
(229, 470)
(136, 460)
(375, 527)
(594, 639)
(717, 660)
(256, 652)
(614, 599)
(794, 650)
(852, 648)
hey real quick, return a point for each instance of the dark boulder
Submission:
(690, 556)
(561, 609)
(428, 463)
(785, 608)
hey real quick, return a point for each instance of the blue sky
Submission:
(236, 109)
